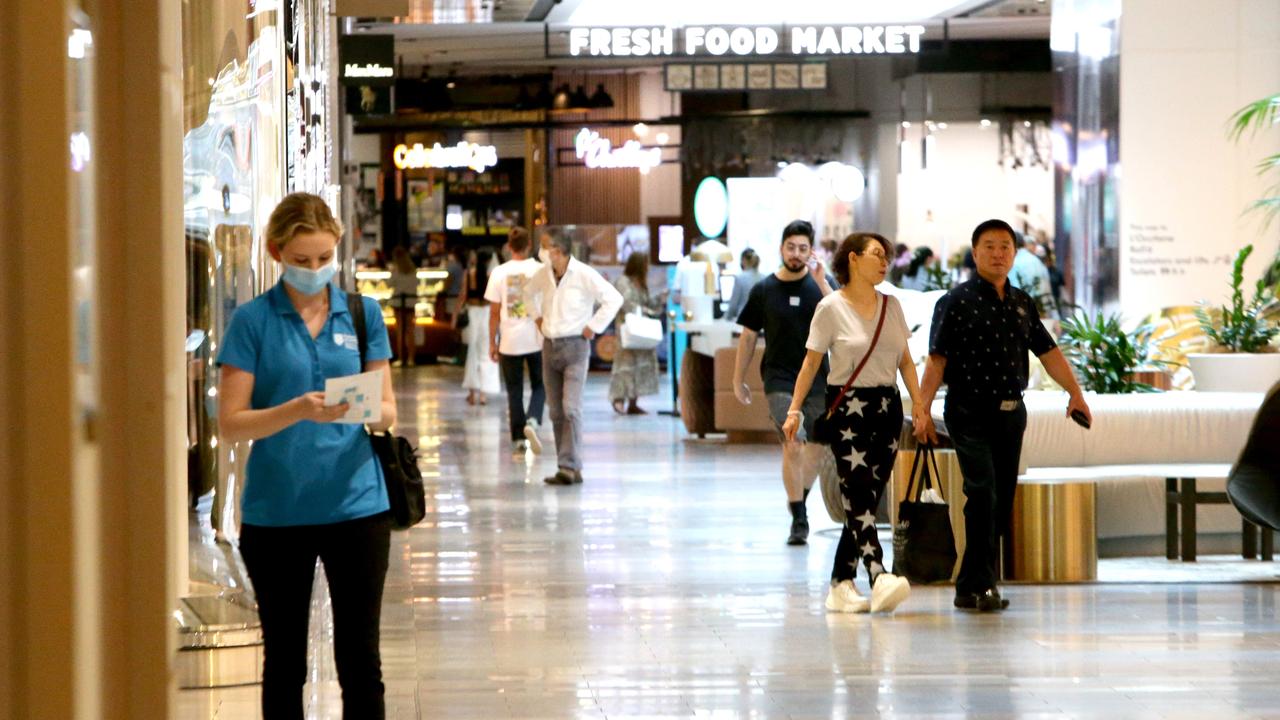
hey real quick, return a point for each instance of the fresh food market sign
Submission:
(719, 41)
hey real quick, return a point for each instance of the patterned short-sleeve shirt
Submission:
(985, 340)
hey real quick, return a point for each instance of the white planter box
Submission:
(1234, 372)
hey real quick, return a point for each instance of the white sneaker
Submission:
(845, 598)
(888, 592)
(531, 434)
(518, 446)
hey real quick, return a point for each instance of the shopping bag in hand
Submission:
(924, 548)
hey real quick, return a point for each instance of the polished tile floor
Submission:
(662, 588)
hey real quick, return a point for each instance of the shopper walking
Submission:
(569, 318)
(635, 372)
(480, 378)
(314, 488)
(514, 341)
(404, 300)
(865, 332)
(982, 330)
(781, 306)
(743, 282)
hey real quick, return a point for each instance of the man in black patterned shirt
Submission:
(982, 330)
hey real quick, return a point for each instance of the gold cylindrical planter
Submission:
(1054, 533)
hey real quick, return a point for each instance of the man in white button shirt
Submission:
(568, 318)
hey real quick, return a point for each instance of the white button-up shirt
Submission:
(568, 307)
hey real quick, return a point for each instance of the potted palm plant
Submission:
(1242, 358)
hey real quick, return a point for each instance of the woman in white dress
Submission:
(481, 377)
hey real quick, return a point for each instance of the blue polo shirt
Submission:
(308, 473)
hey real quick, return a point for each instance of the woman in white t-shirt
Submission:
(869, 418)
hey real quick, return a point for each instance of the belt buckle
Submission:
(1007, 405)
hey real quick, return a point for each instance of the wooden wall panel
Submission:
(577, 195)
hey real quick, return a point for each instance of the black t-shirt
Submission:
(782, 311)
(985, 340)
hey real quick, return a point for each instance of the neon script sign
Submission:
(462, 155)
(598, 152)
(742, 40)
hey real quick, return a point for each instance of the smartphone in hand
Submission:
(1081, 419)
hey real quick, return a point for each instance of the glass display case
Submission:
(434, 335)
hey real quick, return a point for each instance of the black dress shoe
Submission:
(988, 601)
(799, 531)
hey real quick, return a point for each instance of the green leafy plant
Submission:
(1043, 299)
(1262, 114)
(1105, 356)
(938, 277)
(1241, 327)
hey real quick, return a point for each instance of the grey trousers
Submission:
(564, 373)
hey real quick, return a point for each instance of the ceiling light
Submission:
(663, 138)
(942, 126)
(561, 101)
(984, 122)
(1026, 123)
(578, 100)
(906, 124)
(600, 98)
(640, 129)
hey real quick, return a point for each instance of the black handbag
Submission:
(924, 548)
(398, 459)
(824, 427)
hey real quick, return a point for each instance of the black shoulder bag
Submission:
(824, 428)
(397, 457)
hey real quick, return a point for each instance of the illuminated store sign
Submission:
(742, 41)
(368, 70)
(367, 60)
(598, 152)
(462, 155)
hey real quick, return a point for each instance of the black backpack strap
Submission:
(355, 305)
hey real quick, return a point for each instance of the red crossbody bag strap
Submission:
(884, 306)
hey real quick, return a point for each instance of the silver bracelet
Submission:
(794, 412)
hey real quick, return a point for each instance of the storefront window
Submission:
(81, 147)
(233, 170)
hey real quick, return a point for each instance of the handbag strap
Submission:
(355, 306)
(924, 456)
(874, 339)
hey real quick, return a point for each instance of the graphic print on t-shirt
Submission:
(517, 304)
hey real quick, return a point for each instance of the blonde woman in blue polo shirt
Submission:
(314, 488)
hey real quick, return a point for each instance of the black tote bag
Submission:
(924, 548)
(398, 459)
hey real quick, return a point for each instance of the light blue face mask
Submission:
(309, 282)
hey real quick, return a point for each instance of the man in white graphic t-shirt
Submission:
(514, 341)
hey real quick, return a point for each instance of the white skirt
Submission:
(481, 373)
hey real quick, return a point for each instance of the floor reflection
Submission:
(662, 587)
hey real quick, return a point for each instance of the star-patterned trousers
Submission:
(869, 421)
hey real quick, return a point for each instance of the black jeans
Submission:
(281, 562)
(988, 444)
(513, 377)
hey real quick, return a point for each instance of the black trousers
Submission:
(513, 367)
(870, 421)
(988, 443)
(281, 562)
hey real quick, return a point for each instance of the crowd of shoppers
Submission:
(835, 347)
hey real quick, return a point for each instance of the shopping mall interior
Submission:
(641, 547)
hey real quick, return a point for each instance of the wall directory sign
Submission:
(742, 41)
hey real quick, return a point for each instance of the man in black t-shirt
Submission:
(978, 343)
(781, 306)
